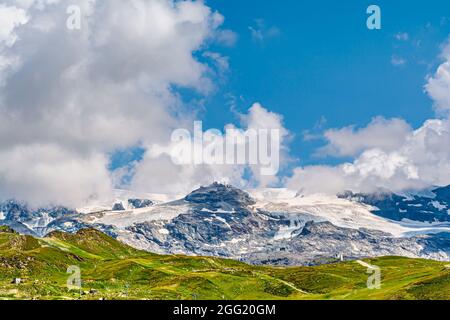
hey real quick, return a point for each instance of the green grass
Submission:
(112, 270)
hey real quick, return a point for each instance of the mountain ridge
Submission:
(273, 227)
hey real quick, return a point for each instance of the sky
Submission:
(322, 63)
(85, 110)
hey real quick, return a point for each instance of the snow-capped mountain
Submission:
(31, 221)
(270, 226)
(433, 207)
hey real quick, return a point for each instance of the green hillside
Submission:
(112, 270)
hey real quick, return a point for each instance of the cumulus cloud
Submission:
(387, 154)
(56, 171)
(438, 85)
(260, 118)
(10, 18)
(386, 134)
(227, 38)
(70, 97)
(422, 161)
(164, 169)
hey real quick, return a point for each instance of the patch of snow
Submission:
(420, 228)
(219, 211)
(425, 193)
(164, 231)
(438, 205)
(234, 241)
(223, 221)
(155, 197)
(273, 194)
(39, 222)
(342, 213)
(2, 215)
(93, 209)
(119, 195)
(124, 219)
(226, 211)
(286, 232)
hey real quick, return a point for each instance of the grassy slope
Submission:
(116, 271)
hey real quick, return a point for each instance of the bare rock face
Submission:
(140, 203)
(118, 206)
(219, 196)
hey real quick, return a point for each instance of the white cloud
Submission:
(421, 161)
(85, 93)
(387, 134)
(10, 18)
(317, 179)
(220, 61)
(227, 38)
(158, 173)
(260, 118)
(438, 85)
(45, 174)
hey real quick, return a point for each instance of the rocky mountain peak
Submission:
(218, 195)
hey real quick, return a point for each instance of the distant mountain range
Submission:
(269, 226)
(433, 207)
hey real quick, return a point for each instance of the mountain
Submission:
(223, 221)
(36, 268)
(270, 226)
(432, 208)
(40, 221)
(32, 221)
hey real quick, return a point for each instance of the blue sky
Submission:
(317, 60)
